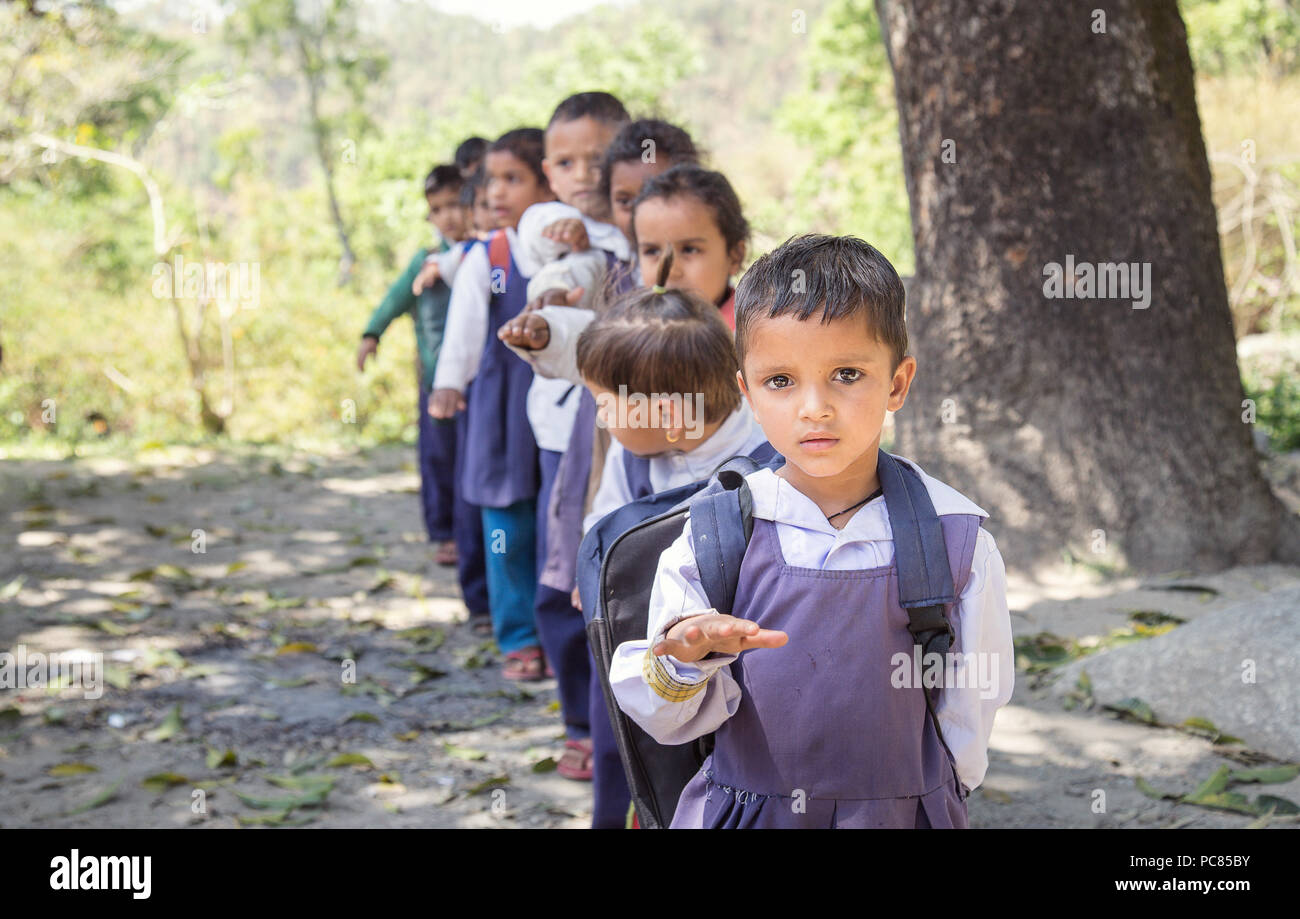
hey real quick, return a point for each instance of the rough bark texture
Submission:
(1071, 416)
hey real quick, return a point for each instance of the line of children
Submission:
(552, 345)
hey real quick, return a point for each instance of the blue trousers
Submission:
(510, 543)
(436, 454)
(610, 794)
(560, 624)
(467, 529)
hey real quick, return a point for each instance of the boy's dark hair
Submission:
(602, 107)
(709, 187)
(840, 275)
(472, 186)
(526, 144)
(469, 152)
(443, 176)
(663, 341)
(669, 142)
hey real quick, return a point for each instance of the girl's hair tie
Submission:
(659, 289)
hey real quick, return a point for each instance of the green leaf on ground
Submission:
(361, 716)
(63, 770)
(218, 759)
(350, 759)
(102, 798)
(170, 727)
(464, 752)
(1270, 775)
(1281, 806)
(1214, 785)
(162, 781)
(1151, 792)
(1134, 708)
(495, 782)
(545, 765)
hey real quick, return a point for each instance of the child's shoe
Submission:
(576, 762)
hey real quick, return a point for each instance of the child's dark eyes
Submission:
(779, 377)
(843, 375)
(855, 375)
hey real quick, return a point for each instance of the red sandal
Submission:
(575, 763)
(526, 665)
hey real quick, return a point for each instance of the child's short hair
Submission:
(709, 187)
(599, 106)
(469, 152)
(841, 275)
(667, 141)
(653, 340)
(473, 185)
(526, 144)
(441, 177)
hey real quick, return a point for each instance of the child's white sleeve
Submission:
(559, 359)
(467, 323)
(984, 681)
(674, 702)
(448, 262)
(613, 491)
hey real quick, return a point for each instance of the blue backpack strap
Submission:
(920, 554)
(722, 520)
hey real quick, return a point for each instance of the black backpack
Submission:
(617, 565)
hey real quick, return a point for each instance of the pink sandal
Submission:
(575, 763)
(526, 665)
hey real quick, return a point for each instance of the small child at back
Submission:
(816, 723)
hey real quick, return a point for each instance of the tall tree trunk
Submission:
(320, 133)
(1031, 135)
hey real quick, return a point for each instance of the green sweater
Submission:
(429, 312)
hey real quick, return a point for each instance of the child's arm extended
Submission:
(464, 334)
(677, 699)
(553, 351)
(982, 625)
(397, 301)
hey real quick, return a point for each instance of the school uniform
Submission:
(500, 470)
(622, 482)
(820, 732)
(438, 444)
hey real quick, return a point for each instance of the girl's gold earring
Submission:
(671, 438)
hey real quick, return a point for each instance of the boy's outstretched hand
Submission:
(569, 231)
(428, 276)
(699, 636)
(527, 330)
(369, 345)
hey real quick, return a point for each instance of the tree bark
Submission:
(1029, 136)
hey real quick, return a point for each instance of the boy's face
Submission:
(625, 181)
(820, 393)
(512, 187)
(574, 152)
(484, 218)
(701, 261)
(448, 214)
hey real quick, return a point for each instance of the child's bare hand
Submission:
(556, 296)
(369, 345)
(570, 232)
(527, 330)
(699, 636)
(445, 403)
(427, 277)
(576, 599)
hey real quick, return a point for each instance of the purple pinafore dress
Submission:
(821, 737)
(500, 464)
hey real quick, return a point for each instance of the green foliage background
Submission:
(798, 113)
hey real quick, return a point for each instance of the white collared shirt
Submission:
(980, 619)
(738, 434)
(467, 319)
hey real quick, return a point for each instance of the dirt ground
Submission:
(225, 700)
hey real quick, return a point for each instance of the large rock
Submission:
(1196, 671)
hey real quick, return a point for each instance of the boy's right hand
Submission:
(369, 345)
(556, 296)
(699, 636)
(527, 330)
(428, 276)
(445, 403)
